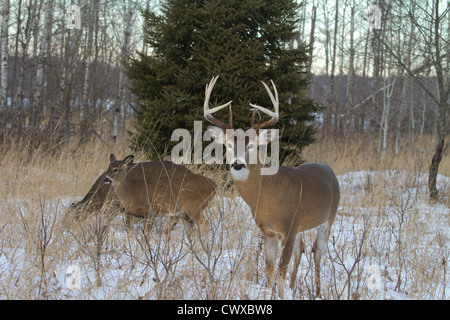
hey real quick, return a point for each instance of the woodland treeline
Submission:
(63, 81)
(378, 67)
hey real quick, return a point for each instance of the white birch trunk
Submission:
(4, 56)
(119, 107)
(84, 110)
(350, 117)
(387, 95)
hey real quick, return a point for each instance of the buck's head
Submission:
(243, 148)
(117, 169)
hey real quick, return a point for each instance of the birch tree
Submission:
(351, 74)
(330, 100)
(327, 115)
(4, 56)
(119, 103)
(312, 38)
(84, 108)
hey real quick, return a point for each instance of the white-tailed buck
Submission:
(154, 188)
(285, 204)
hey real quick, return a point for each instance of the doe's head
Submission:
(117, 169)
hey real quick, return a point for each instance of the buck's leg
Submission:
(128, 222)
(299, 248)
(189, 222)
(173, 221)
(148, 226)
(288, 245)
(323, 232)
(271, 244)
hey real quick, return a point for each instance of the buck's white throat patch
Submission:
(240, 175)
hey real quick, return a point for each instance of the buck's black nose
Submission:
(237, 166)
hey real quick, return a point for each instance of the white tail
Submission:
(285, 204)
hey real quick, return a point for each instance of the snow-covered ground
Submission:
(387, 242)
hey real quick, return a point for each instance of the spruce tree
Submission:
(243, 41)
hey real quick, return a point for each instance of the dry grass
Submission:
(360, 153)
(384, 221)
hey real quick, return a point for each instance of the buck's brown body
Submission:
(301, 192)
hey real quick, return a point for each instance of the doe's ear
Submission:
(128, 160)
(112, 157)
(217, 133)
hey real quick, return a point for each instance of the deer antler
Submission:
(208, 112)
(274, 115)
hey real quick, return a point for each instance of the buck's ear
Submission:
(266, 136)
(217, 133)
(112, 157)
(128, 160)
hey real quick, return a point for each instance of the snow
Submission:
(387, 242)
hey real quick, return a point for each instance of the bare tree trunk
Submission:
(409, 84)
(434, 167)
(144, 42)
(377, 53)
(422, 124)
(387, 95)
(18, 101)
(401, 113)
(328, 112)
(350, 117)
(311, 39)
(330, 100)
(85, 108)
(360, 113)
(13, 89)
(119, 107)
(4, 56)
(60, 117)
(443, 82)
(406, 104)
(40, 84)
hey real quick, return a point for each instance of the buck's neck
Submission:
(250, 188)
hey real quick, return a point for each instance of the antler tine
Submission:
(208, 112)
(252, 120)
(276, 105)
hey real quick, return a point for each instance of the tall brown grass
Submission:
(228, 261)
(361, 153)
